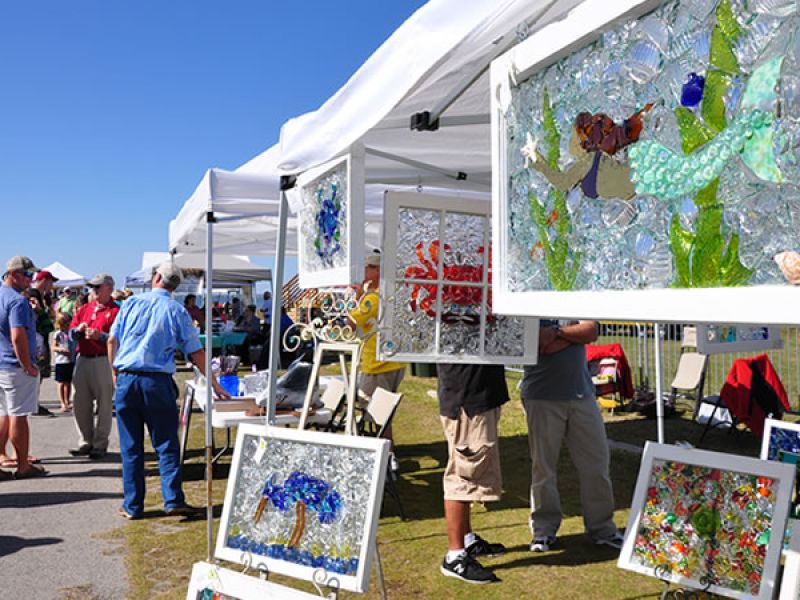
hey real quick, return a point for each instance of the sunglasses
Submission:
(28, 274)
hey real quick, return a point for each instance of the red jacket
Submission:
(752, 390)
(615, 351)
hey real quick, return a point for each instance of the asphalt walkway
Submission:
(51, 529)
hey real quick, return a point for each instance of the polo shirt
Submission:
(149, 328)
(97, 316)
(15, 311)
(475, 388)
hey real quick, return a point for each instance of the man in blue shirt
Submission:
(141, 348)
(19, 376)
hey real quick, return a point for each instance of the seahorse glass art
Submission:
(706, 524)
(301, 503)
(323, 221)
(663, 154)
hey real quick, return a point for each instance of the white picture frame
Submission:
(725, 338)
(313, 272)
(586, 23)
(238, 586)
(780, 474)
(430, 278)
(250, 518)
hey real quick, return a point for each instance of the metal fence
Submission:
(638, 341)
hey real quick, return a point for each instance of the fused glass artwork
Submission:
(719, 338)
(304, 502)
(705, 519)
(781, 442)
(647, 166)
(330, 239)
(212, 582)
(437, 270)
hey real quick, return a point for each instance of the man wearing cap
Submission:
(66, 304)
(19, 377)
(41, 294)
(92, 378)
(141, 349)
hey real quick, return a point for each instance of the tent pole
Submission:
(209, 389)
(659, 383)
(287, 183)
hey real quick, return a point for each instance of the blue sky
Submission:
(110, 112)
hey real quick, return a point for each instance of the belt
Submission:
(131, 372)
(92, 355)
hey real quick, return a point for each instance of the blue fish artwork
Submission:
(327, 242)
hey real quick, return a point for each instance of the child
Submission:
(64, 351)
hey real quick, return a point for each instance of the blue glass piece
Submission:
(692, 90)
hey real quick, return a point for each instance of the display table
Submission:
(196, 395)
(223, 340)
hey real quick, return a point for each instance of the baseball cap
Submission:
(101, 279)
(20, 263)
(373, 259)
(171, 274)
(44, 275)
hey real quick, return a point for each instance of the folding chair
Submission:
(332, 399)
(606, 384)
(377, 417)
(689, 380)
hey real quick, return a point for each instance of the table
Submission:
(194, 394)
(223, 340)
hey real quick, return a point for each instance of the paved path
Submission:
(50, 528)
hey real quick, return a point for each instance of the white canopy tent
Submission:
(229, 270)
(66, 276)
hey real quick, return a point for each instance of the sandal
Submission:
(6, 475)
(32, 472)
(11, 463)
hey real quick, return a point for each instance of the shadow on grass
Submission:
(570, 550)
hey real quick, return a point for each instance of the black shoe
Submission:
(467, 569)
(44, 412)
(80, 451)
(184, 510)
(480, 547)
(97, 453)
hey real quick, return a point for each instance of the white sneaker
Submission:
(613, 541)
(543, 543)
(394, 465)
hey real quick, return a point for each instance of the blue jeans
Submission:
(148, 400)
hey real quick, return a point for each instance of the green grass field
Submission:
(161, 550)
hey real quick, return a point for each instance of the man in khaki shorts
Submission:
(470, 397)
(19, 377)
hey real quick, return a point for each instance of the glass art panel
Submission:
(413, 330)
(662, 155)
(416, 225)
(707, 524)
(299, 503)
(323, 221)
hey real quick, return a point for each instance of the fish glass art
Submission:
(323, 221)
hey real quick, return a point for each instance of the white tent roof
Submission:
(228, 269)
(441, 50)
(66, 276)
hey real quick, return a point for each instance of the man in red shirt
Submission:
(92, 378)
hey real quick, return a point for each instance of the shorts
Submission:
(473, 463)
(64, 372)
(19, 393)
(388, 380)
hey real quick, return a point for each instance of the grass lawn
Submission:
(161, 550)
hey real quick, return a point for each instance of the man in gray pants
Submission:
(559, 401)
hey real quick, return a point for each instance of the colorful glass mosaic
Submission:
(706, 524)
(323, 221)
(663, 155)
(301, 503)
(782, 441)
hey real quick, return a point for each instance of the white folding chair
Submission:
(332, 399)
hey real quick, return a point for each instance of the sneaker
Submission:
(80, 451)
(480, 547)
(124, 513)
(467, 569)
(614, 541)
(394, 464)
(543, 543)
(97, 453)
(44, 412)
(184, 510)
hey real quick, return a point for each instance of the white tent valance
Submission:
(66, 276)
(229, 270)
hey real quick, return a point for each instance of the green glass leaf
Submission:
(707, 197)
(713, 107)
(708, 248)
(694, 132)
(733, 272)
(726, 21)
(681, 242)
(552, 137)
(721, 55)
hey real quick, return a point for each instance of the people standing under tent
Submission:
(560, 406)
(19, 376)
(235, 309)
(249, 324)
(63, 348)
(266, 309)
(374, 373)
(66, 304)
(470, 397)
(141, 348)
(94, 387)
(195, 312)
(42, 293)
